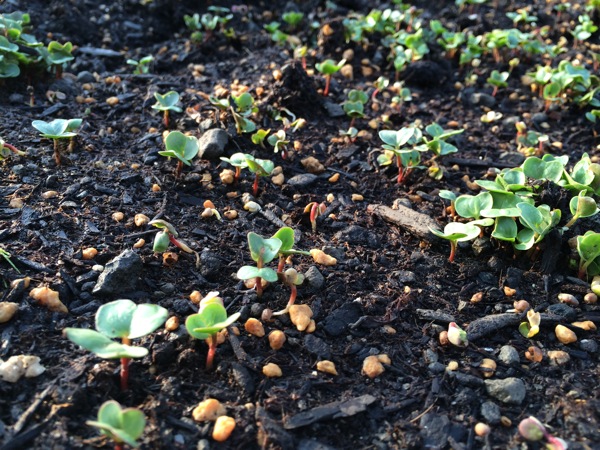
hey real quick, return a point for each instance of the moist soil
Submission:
(391, 292)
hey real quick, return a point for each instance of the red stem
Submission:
(12, 148)
(281, 264)
(293, 294)
(452, 251)
(258, 280)
(125, 367)
(495, 91)
(400, 173)
(212, 349)
(255, 185)
(166, 119)
(118, 446)
(56, 153)
(178, 169)
(327, 82)
(314, 209)
(304, 62)
(238, 172)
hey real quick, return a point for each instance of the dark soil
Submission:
(391, 292)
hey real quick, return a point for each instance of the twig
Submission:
(20, 423)
(423, 413)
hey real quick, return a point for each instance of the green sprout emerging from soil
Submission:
(588, 247)
(166, 103)
(142, 66)
(328, 68)
(183, 148)
(260, 168)
(315, 209)
(210, 319)
(57, 130)
(120, 425)
(456, 232)
(6, 149)
(262, 251)
(119, 319)
(533, 430)
(168, 234)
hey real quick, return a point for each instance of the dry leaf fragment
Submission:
(48, 298)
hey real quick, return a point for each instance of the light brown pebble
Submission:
(300, 315)
(277, 339)
(320, 257)
(7, 311)
(568, 299)
(312, 326)
(334, 178)
(443, 338)
(140, 243)
(488, 367)
(372, 367)
(384, 359)
(140, 220)
(112, 101)
(509, 292)
(312, 165)
(195, 297)
(277, 75)
(155, 188)
(48, 298)
(254, 327)
(357, 198)
(231, 214)
(278, 179)
(172, 323)
(534, 354)
(521, 305)
(476, 297)
(227, 176)
(327, 367)
(16, 203)
(49, 194)
(224, 426)
(558, 357)
(208, 410)
(590, 298)
(272, 370)
(482, 429)
(89, 253)
(347, 71)
(452, 366)
(586, 325)
(118, 216)
(565, 335)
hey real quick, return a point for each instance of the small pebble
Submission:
(254, 327)
(224, 426)
(272, 370)
(565, 335)
(277, 339)
(558, 357)
(49, 194)
(372, 367)
(89, 253)
(482, 429)
(327, 367)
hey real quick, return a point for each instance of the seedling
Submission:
(260, 168)
(57, 55)
(498, 80)
(456, 232)
(6, 148)
(262, 251)
(210, 319)
(328, 68)
(292, 278)
(380, 84)
(451, 196)
(120, 425)
(470, 206)
(354, 107)
(279, 142)
(168, 234)
(533, 430)
(142, 66)
(56, 130)
(537, 222)
(183, 148)
(588, 247)
(532, 326)
(166, 103)
(259, 137)
(292, 18)
(300, 52)
(394, 141)
(315, 209)
(437, 144)
(286, 236)
(457, 336)
(119, 319)
(581, 206)
(239, 161)
(6, 255)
